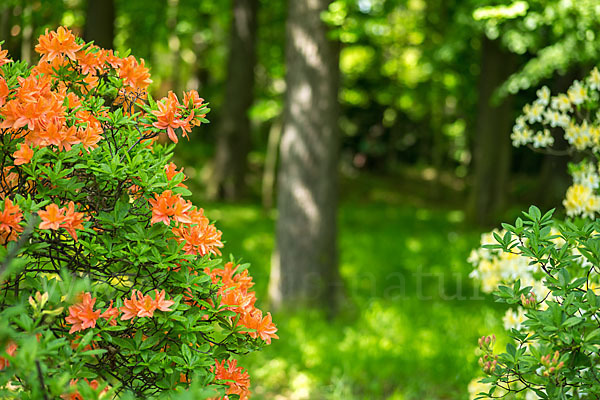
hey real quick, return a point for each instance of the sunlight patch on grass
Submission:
(392, 340)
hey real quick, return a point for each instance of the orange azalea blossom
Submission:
(199, 235)
(236, 297)
(171, 171)
(169, 117)
(35, 106)
(51, 217)
(112, 60)
(58, 44)
(166, 205)
(73, 220)
(10, 219)
(82, 315)
(135, 75)
(111, 314)
(4, 57)
(11, 349)
(49, 68)
(76, 396)
(192, 100)
(3, 91)
(240, 301)
(237, 380)
(230, 277)
(91, 132)
(71, 98)
(264, 327)
(91, 60)
(54, 218)
(144, 306)
(23, 155)
(201, 239)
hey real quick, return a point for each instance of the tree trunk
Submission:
(233, 143)
(6, 13)
(100, 23)
(304, 268)
(492, 145)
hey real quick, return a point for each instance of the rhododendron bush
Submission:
(110, 282)
(548, 271)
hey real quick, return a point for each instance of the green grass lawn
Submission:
(409, 326)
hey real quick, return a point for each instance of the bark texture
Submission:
(100, 23)
(233, 143)
(492, 144)
(304, 268)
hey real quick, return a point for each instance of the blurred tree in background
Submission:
(304, 267)
(100, 28)
(233, 140)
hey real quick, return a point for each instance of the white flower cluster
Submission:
(581, 198)
(568, 112)
(494, 267)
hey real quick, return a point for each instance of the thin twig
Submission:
(42, 384)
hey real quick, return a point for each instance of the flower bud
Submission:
(486, 343)
(550, 361)
(529, 301)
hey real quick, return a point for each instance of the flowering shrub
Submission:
(549, 271)
(109, 282)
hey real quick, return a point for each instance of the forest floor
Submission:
(410, 323)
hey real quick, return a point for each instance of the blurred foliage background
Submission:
(428, 94)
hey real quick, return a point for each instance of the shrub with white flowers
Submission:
(548, 271)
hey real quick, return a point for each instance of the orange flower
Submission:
(192, 100)
(171, 171)
(111, 59)
(166, 205)
(90, 133)
(11, 349)
(57, 44)
(23, 155)
(235, 297)
(229, 276)
(202, 239)
(76, 396)
(4, 57)
(239, 301)
(134, 75)
(82, 315)
(91, 60)
(144, 306)
(168, 116)
(73, 220)
(237, 380)
(3, 91)
(10, 218)
(161, 303)
(111, 314)
(52, 217)
(52, 135)
(161, 207)
(35, 106)
(265, 328)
